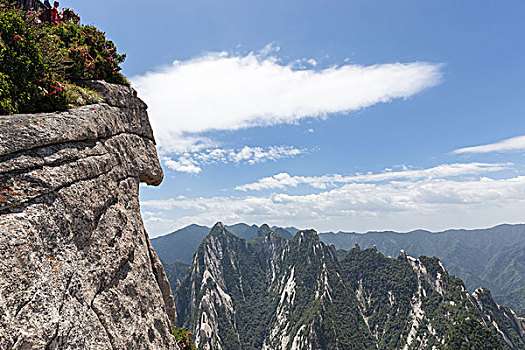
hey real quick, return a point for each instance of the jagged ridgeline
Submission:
(277, 293)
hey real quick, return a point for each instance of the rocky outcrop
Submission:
(497, 314)
(77, 270)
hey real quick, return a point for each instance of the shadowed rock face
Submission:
(76, 266)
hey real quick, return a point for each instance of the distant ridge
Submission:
(493, 258)
(182, 243)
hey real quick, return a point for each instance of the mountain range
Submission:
(271, 292)
(493, 258)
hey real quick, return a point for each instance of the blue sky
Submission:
(335, 115)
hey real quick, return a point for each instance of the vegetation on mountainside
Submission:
(470, 334)
(385, 289)
(42, 65)
(299, 288)
(390, 284)
(492, 258)
(335, 315)
(497, 313)
(247, 328)
(175, 272)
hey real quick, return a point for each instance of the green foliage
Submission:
(176, 272)
(362, 300)
(491, 258)
(91, 55)
(27, 83)
(470, 334)
(385, 289)
(431, 265)
(80, 96)
(6, 86)
(183, 338)
(40, 63)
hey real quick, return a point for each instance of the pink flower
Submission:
(56, 88)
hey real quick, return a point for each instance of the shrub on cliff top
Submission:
(25, 75)
(91, 55)
(183, 338)
(40, 62)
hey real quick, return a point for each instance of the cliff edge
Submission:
(77, 270)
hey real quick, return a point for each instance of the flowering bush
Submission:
(26, 81)
(39, 62)
(183, 338)
(91, 55)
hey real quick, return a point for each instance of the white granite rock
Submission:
(77, 270)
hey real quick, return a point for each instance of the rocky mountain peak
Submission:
(263, 230)
(218, 229)
(307, 236)
(296, 294)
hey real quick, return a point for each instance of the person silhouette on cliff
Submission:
(54, 13)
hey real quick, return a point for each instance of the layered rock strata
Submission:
(77, 270)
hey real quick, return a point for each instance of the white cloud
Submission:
(508, 145)
(192, 162)
(312, 62)
(183, 164)
(432, 203)
(284, 180)
(220, 91)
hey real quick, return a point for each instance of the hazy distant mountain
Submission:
(493, 258)
(276, 293)
(243, 230)
(181, 244)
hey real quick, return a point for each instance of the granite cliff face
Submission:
(77, 270)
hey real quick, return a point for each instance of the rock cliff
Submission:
(77, 270)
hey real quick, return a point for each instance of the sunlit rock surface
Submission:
(77, 270)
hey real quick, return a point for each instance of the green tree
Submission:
(470, 334)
